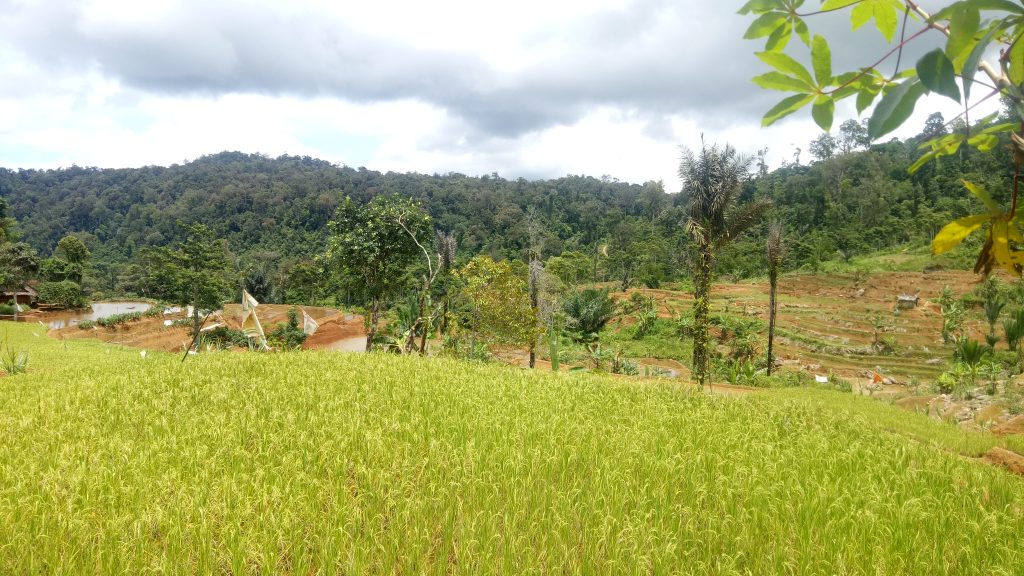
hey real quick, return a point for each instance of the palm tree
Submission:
(776, 252)
(711, 183)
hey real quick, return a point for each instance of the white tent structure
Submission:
(309, 325)
(250, 322)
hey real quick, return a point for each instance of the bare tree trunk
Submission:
(425, 320)
(371, 332)
(444, 316)
(701, 308)
(773, 279)
(533, 289)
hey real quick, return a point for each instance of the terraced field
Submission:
(117, 462)
(826, 322)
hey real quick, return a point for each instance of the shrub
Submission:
(6, 309)
(289, 336)
(86, 324)
(13, 361)
(224, 337)
(115, 320)
(66, 293)
(969, 351)
(588, 311)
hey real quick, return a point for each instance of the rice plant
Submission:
(320, 463)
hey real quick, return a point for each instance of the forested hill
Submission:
(274, 211)
(283, 204)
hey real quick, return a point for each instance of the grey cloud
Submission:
(658, 56)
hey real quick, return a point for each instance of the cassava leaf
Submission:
(953, 234)
(821, 60)
(936, 73)
(823, 110)
(786, 107)
(779, 81)
(894, 108)
(983, 195)
(787, 65)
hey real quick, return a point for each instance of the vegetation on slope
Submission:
(115, 462)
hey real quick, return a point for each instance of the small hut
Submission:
(24, 295)
(907, 301)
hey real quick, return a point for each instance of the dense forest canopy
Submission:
(273, 212)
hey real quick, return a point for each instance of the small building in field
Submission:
(907, 301)
(24, 295)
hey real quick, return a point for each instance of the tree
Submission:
(712, 180)
(587, 311)
(370, 246)
(823, 147)
(192, 273)
(970, 28)
(72, 249)
(498, 302)
(776, 251)
(934, 127)
(852, 135)
(415, 222)
(19, 263)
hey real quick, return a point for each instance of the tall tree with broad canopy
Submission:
(712, 181)
(972, 31)
(19, 263)
(498, 302)
(192, 273)
(373, 244)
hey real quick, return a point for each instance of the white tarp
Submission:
(309, 325)
(250, 322)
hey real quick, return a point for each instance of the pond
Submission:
(352, 344)
(57, 320)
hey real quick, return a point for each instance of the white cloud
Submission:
(533, 88)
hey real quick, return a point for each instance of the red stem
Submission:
(826, 11)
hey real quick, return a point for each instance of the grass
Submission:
(866, 411)
(352, 464)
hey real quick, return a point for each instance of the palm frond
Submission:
(742, 218)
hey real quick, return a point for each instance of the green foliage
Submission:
(73, 250)
(1013, 329)
(371, 245)
(224, 337)
(66, 294)
(739, 372)
(969, 351)
(711, 187)
(301, 462)
(19, 262)
(497, 303)
(6, 309)
(13, 361)
(58, 270)
(115, 320)
(953, 316)
(87, 324)
(972, 28)
(191, 273)
(288, 336)
(587, 312)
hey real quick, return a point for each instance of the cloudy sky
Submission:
(533, 88)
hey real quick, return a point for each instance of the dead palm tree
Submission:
(712, 180)
(776, 251)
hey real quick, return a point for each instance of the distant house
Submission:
(907, 301)
(26, 296)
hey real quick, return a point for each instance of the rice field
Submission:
(321, 463)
